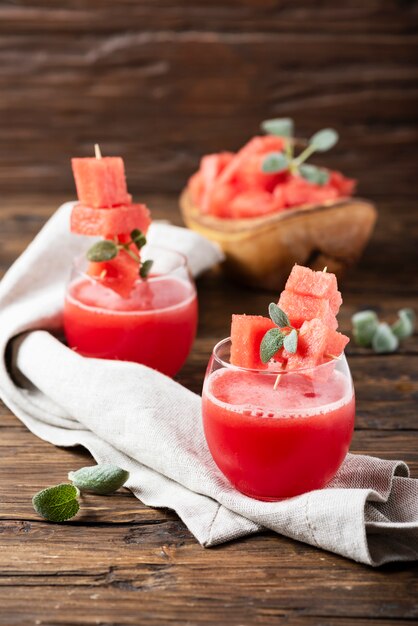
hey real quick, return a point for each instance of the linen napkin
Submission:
(143, 421)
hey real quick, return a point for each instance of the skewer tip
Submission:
(97, 151)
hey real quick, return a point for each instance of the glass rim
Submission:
(182, 263)
(268, 372)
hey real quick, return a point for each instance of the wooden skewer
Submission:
(276, 384)
(325, 268)
(279, 376)
(103, 274)
(97, 151)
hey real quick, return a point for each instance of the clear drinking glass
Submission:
(155, 324)
(273, 437)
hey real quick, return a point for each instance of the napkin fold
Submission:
(143, 421)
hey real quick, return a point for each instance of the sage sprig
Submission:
(60, 503)
(101, 479)
(284, 336)
(276, 162)
(369, 332)
(107, 250)
(57, 504)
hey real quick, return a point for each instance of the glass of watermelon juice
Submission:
(154, 325)
(273, 443)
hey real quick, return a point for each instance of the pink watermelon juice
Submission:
(154, 325)
(277, 443)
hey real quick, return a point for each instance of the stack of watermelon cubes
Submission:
(233, 185)
(105, 209)
(311, 301)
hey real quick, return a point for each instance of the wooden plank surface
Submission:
(163, 83)
(123, 563)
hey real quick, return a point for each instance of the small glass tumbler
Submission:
(154, 325)
(275, 441)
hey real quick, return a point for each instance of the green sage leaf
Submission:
(411, 314)
(281, 126)
(290, 342)
(102, 251)
(324, 139)
(270, 344)
(57, 504)
(365, 324)
(145, 268)
(138, 238)
(313, 174)
(274, 162)
(384, 340)
(101, 479)
(278, 316)
(404, 326)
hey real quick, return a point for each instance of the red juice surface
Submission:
(155, 326)
(277, 443)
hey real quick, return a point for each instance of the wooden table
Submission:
(123, 563)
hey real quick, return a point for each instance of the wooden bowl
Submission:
(261, 251)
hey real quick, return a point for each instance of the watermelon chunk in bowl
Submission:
(267, 221)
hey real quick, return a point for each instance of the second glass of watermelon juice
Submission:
(155, 325)
(273, 443)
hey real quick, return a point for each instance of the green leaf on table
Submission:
(324, 139)
(145, 268)
(102, 251)
(101, 479)
(57, 504)
(274, 162)
(290, 343)
(278, 316)
(404, 326)
(281, 126)
(384, 340)
(411, 314)
(365, 324)
(270, 344)
(313, 174)
(138, 238)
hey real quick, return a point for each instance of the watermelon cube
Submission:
(108, 223)
(210, 167)
(119, 274)
(219, 199)
(307, 282)
(253, 203)
(317, 344)
(344, 186)
(256, 146)
(336, 342)
(247, 331)
(304, 281)
(312, 343)
(335, 302)
(101, 182)
(301, 308)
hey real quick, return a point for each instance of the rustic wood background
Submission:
(162, 82)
